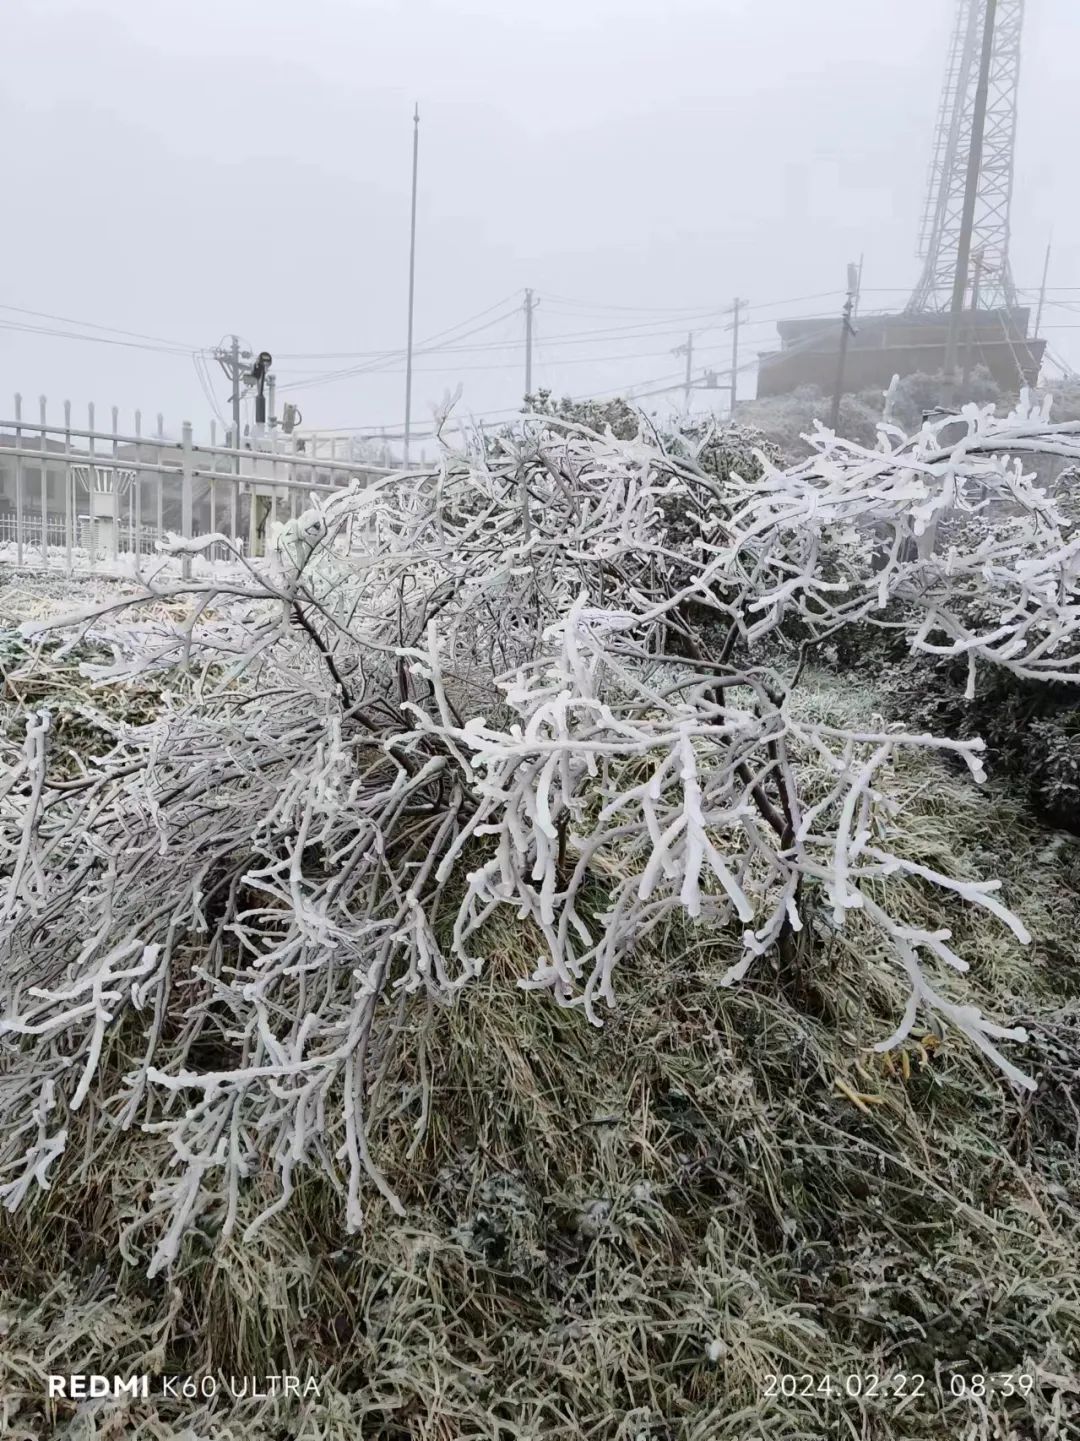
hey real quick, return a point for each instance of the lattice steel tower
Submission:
(942, 218)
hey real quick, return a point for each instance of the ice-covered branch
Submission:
(541, 675)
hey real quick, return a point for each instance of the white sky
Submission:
(187, 168)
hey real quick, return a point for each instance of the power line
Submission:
(599, 305)
(202, 373)
(91, 325)
(556, 363)
(321, 377)
(328, 377)
(376, 354)
(95, 339)
(684, 310)
(631, 331)
(676, 314)
(574, 336)
(665, 383)
(392, 430)
(457, 340)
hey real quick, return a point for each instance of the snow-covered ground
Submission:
(125, 565)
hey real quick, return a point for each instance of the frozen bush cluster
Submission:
(508, 682)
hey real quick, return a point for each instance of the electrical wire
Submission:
(91, 325)
(559, 362)
(640, 328)
(353, 354)
(328, 377)
(96, 339)
(682, 310)
(568, 338)
(452, 340)
(666, 384)
(628, 332)
(201, 371)
(807, 343)
(321, 377)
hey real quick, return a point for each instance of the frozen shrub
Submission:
(549, 676)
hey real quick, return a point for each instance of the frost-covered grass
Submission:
(625, 1232)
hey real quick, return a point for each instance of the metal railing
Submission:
(82, 497)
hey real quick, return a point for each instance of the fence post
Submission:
(187, 486)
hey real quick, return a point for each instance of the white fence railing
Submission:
(31, 529)
(78, 496)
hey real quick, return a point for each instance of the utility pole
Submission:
(688, 351)
(735, 355)
(230, 361)
(234, 366)
(1042, 288)
(412, 283)
(529, 307)
(973, 319)
(847, 330)
(971, 191)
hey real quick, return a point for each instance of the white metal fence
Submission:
(79, 496)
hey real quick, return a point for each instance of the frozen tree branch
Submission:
(546, 675)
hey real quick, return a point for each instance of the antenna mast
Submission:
(943, 231)
(412, 285)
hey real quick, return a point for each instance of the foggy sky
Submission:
(188, 168)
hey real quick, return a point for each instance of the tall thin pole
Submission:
(1042, 288)
(735, 356)
(847, 330)
(235, 372)
(412, 283)
(234, 489)
(530, 306)
(688, 384)
(971, 190)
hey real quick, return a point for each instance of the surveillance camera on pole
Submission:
(257, 377)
